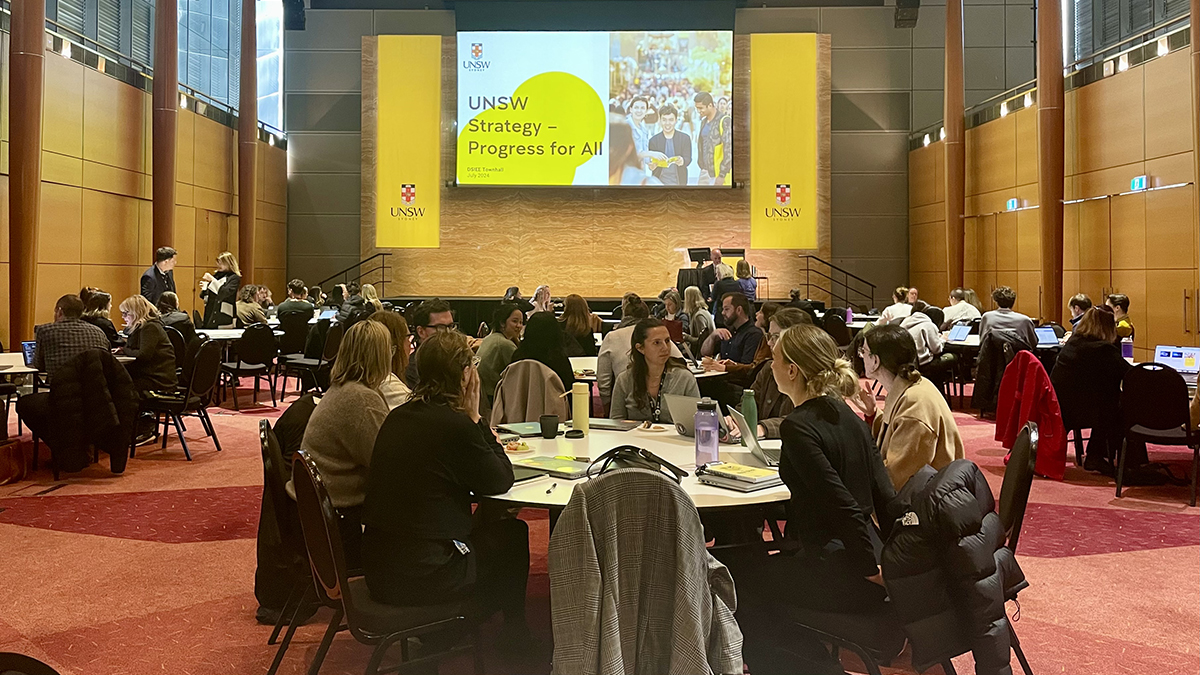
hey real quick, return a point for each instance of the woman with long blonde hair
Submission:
(340, 436)
(837, 482)
(395, 391)
(372, 297)
(700, 322)
(219, 291)
(153, 367)
(434, 455)
(580, 326)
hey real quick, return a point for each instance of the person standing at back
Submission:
(220, 291)
(959, 309)
(1004, 317)
(1119, 302)
(160, 277)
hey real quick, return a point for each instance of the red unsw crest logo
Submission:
(408, 193)
(477, 50)
(783, 193)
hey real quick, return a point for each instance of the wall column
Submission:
(247, 140)
(953, 146)
(1050, 154)
(1195, 34)
(166, 112)
(27, 48)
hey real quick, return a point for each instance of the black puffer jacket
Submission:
(996, 350)
(93, 403)
(947, 569)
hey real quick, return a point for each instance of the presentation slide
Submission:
(595, 108)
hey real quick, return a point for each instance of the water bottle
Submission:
(581, 404)
(1127, 348)
(708, 429)
(750, 412)
(849, 318)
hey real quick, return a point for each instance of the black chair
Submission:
(1014, 497)
(834, 323)
(1059, 331)
(276, 473)
(179, 345)
(370, 622)
(20, 664)
(876, 638)
(197, 320)
(295, 329)
(1154, 409)
(300, 366)
(256, 351)
(193, 400)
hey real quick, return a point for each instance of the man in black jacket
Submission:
(160, 277)
(676, 145)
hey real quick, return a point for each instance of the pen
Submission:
(573, 459)
(551, 489)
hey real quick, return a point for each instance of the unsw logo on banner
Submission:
(408, 195)
(783, 199)
(783, 193)
(476, 61)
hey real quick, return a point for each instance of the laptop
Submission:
(683, 413)
(523, 429)
(606, 424)
(1046, 336)
(959, 332)
(768, 457)
(28, 347)
(327, 314)
(1186, 360)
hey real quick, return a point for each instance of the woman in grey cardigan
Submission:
(638, 392)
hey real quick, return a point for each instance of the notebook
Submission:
(27, 348)
(559, 468)
(738, 477)
(1186, 360)
(607, 424)
(959, 332)
(1046, 336)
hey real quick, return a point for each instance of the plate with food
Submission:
(652, 427)
(517, 447)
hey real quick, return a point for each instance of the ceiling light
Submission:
(926, 140)
(1123, 63)
(1004, 109)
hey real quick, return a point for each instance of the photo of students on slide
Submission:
(674, 91)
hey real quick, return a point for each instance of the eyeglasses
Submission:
(443, 326)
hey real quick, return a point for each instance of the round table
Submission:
(554, 493)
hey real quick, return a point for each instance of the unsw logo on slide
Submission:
(783, 198)
(476, 61)
(408, 195)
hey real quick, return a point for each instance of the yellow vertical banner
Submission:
(783, 140)
(408, 136)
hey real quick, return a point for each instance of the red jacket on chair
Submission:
(1026, 395)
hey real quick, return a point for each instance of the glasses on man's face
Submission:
(443, 326)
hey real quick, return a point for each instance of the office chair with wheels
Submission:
(1154, 408)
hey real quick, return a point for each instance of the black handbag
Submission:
(633, 457)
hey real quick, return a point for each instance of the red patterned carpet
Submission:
(152, 571)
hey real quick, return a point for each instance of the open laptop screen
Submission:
(1183, 359)
(1046, 336)
(28, 347)
(959, 333)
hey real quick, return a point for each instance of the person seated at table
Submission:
(496, 350)
(925, 334)
(726, 284)
(354, 307)
(316, 296)
(579, 327)
(219, 290)
(743, 374)
(1078, 304)
(372, 297)
(899, 309)
(652, 372)
(340, 436)
(915, 427)
(249, 312)
(673, 309)
(432, 458)
(959, 309)
(1087, 381)
(738, 341)
(616, 348)
(544, 342)
(913, 295)
(395, 391)
(513, 295)
(1119, 302)
(96, 310)
(542, 302)
(173, 317)
(798, 301)
(1005, 318)
(839, 488)
(746, 280)
(153, 365)
(62, 340)
(700, 321)
(297, 301)
(772, 405)
(428, 318)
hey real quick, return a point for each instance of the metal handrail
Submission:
(845, 282)
(345, 273)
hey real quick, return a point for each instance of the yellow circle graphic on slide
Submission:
(553, 123)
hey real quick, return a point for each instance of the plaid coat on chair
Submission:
(633, 590)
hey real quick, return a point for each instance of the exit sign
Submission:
(1013, 204)
(1138, 183)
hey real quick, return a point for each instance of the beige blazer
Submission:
(528, 390)
(915, 429)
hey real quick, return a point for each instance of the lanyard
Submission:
(656, 402)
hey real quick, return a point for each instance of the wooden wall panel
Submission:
(62, 222)
(62, 115)
(1110, 121)
(576, 239)
(922, 175)
(113, 122)
(1170, 229)
(1026, 140)
(1127, 232)
(1006, 241)
(53, 282)
(1168, 115)
(992, 156)
(118, 242)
